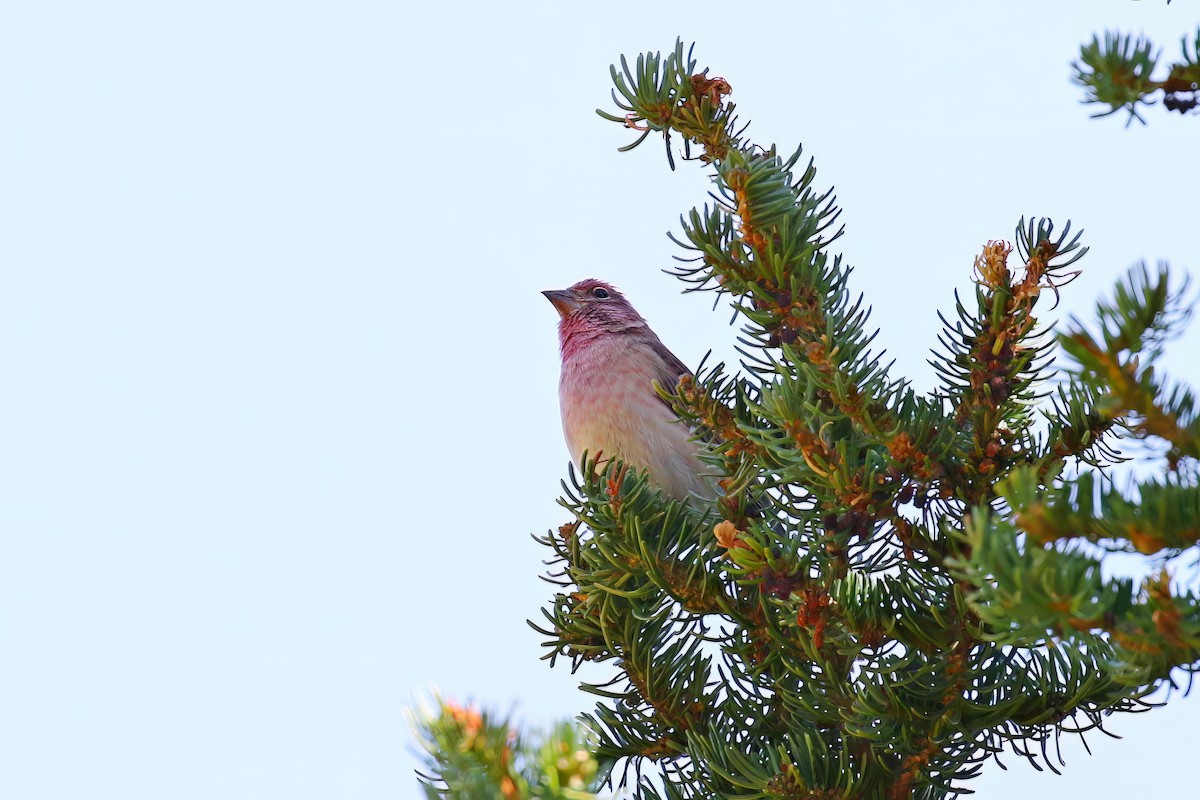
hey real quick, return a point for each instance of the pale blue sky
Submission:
(280, 409)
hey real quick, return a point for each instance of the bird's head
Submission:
(592, 308)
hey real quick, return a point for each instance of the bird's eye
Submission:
(600, 294)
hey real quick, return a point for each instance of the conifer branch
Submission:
(894, 587)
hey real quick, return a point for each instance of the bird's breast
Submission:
(610, 410)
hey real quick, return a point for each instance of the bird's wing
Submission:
(669, 369)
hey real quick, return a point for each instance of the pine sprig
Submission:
(1035, 596)
(994, 357)
(1118, 71)
(667, 94)
(1147, 517)
(1118, 362)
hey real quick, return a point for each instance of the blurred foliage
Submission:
(471, 754)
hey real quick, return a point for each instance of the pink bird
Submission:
(611, 361)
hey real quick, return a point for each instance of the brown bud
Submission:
(727, 534)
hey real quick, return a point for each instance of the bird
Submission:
(612, 363)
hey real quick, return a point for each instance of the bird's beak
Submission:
(563, 300)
